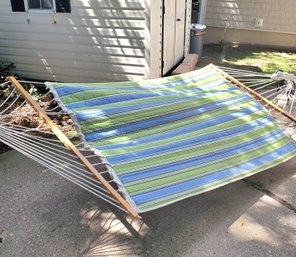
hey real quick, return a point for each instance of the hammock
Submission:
(144, 145)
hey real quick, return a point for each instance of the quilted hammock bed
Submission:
(172, 138)
(162, 140)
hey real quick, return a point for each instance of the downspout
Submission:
(202, 11)
(201, 20)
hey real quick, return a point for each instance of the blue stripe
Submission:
(127, 97)
(203, 159)
(164, 119)
(90, 114)
(217, 176)
(109, 100)
(188, 142)
(185, 81)
(182, 130)
(73, 88)
(68, 90)
(96, 113)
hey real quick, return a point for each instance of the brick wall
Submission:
(278, 15)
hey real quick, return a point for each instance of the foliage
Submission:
(7, 70)
(195, 4)
(33, 91)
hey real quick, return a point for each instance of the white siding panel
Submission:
(277, 15)
(101, 40)
(74, 22)
(60, 63)
(65, 48)
(74, 39)
(116, 32)
(39, 73)
(96, 58)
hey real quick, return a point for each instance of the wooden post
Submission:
(63, 138)
(254, 93)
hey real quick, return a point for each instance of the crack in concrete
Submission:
(277, 198)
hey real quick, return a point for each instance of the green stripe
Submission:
(163, 201)
(138, 83)
(127, 83)
(218, 165)
(89, 95)
(157, 98)
(172, 125)
(140, 115)
(193, 134)
(201, 149)
(130, 103)
(157, 104)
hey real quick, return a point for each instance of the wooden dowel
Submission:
(254, 93)
(63, 138)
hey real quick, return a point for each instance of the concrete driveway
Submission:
(44, 215)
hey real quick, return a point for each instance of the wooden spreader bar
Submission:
(65, 140)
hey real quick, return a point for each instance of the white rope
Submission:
(31, 142)
(13, 102)
(273, 89)
(34, 146)
(36, 154)
(16, 109)
(32, 82)
(239, 71)
(264, 85)
(275, 93)
(48, 151)
(292, 104)
(255, 79)
(8, 97)
(50, 167)
(4, 84)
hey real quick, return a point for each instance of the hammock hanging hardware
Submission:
(255, 94)
(278, 88)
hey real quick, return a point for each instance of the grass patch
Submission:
(260, 59)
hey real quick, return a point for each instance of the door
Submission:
(173, 33)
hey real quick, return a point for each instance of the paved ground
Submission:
(43, 215)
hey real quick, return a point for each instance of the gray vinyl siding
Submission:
(100, 40)
(279, 16)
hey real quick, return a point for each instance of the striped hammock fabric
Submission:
(172, 138)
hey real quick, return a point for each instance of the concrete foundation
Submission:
(216, 35)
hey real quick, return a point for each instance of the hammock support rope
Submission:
(144, 145)
(64, 139)
(278, 88)
(255, 94)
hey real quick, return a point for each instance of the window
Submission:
(60, 6)
(41, 4)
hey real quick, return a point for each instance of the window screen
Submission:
(60, 6)
(40, 4)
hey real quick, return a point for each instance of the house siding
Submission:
(100, 40)
(278, 16)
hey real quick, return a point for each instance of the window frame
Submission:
(35, 10)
